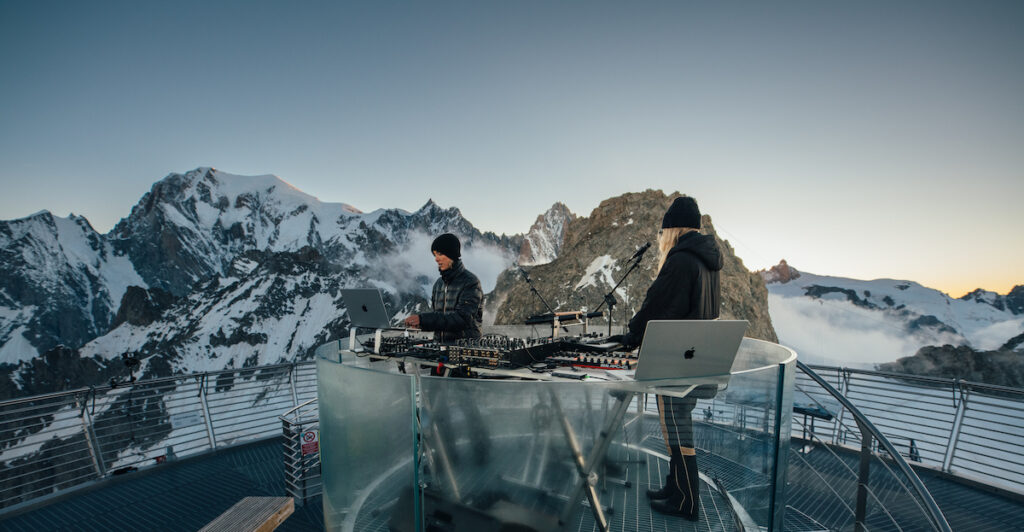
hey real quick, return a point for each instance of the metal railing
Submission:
(300, 427)
(54, 442)
(867, 485)
(968, 429)
(51, 443)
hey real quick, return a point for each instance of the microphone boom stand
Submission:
(609, 298)
(554, 317)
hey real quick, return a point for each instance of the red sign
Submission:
(310, 442)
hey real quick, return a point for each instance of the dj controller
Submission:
(493, 351)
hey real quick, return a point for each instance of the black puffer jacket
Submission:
(458, 303)
(687, 287)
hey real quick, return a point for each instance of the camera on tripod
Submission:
(131, 360)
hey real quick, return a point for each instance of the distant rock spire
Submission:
(544, 240)
(780, 273)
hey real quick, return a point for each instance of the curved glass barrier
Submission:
(404, 450)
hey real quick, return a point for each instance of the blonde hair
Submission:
(667, 239)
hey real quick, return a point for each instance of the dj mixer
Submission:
(504, 352)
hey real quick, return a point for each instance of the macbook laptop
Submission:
(366, 308)
(675, 349)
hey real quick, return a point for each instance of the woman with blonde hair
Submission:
(686, 288)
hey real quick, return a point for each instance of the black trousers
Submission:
(677, 421)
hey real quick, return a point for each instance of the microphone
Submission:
(640, 252)
(525, 275)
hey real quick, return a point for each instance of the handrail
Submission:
(148, 382)
(285, 416)
(924, 378)
(934, 513)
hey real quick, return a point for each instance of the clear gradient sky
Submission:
(858, 139)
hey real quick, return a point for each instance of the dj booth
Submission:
(409, 442)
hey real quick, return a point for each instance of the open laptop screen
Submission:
(366, 308)
(673, 349)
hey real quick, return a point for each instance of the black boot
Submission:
(665, 491)
(685, 499)
(669, 488)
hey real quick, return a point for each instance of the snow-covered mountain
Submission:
(193, 225)
(62, 283)
(210, 271)
(544, 240)
(855, 323)
(269, 307)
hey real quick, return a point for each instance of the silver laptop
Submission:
(366, 308)
(674, 349)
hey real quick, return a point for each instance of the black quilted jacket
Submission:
(458, 303)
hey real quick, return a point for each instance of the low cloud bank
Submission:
(840, 333)
(413, 270)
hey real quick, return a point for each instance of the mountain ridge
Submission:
(886, 318)
(69, 285)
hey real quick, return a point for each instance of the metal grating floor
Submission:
(626, 508)
(183, 495)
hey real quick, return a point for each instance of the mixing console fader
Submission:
(500, 352)
(593, 360)
(406, 346)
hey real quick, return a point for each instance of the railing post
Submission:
(90, 437)
(780, 448)
(844, 387)
(862, 478)
(954, 431)
(206, 412)
(291, 378)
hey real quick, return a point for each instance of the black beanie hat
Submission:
(682, 213)
(447, 245)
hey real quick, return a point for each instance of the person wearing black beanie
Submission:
(686, 288)
(457, 299)
(682, 213)
(447, 245)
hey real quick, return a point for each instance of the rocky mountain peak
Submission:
(1013, 301)
(140, 306)
(1000, 367)
(192, 225)
(430, 206)
(594, 256)
(986, 297)
(543, 241)
(780, 273)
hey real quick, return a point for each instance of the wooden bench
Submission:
(256, 514)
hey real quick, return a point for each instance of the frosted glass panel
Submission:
(367, 441)
(403, 450)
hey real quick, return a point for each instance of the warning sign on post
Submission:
(310, 442)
